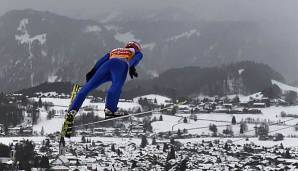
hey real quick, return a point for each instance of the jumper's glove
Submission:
(133, 72)
(90, 74)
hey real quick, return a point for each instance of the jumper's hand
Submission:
(133, 72)
(90, 74)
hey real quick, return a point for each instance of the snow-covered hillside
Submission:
(284, 87)
(170, 123)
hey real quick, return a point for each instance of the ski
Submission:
(65, 128)
(129, 115)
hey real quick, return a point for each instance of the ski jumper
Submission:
(111, 67)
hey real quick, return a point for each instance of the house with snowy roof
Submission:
(60, 163)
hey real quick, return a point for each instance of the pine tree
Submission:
(144, 142)
(227, 147)
(39, 103)
(154, 119)
(47, 143)
(134, 164)
(153, 141)
(113, 148)
(243, 127)
(172, 141)
(234, 120)
(165, 147)
(179, 133)
(174, 110)
(213, 128)
(171, 154)
(83, 140)
(183, 165)
(281, 146)
(42, 131)
(25, 155)
(160, 118)
(241, 130)
(119, 152)
(158, 147)
(185, 120)
(195, 118)
(44, 162)
(287, 154)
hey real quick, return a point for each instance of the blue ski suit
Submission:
(108, 69)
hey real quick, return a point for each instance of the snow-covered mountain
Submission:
(42, 46)
(176, 39)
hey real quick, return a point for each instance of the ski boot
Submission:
(68, 123)
(109, 114)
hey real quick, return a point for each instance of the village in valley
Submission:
(234, 132)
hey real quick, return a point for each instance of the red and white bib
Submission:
(126, 53)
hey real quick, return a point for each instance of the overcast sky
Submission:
(274, 10)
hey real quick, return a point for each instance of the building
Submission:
(259, 105)
(184, 109)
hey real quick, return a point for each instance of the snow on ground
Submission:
(170, 123)
(55, 123)
(49, 126)
(98, 106)
(284, 87)
(160, 99)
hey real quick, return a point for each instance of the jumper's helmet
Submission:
(133, 44)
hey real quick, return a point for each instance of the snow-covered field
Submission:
(170, 123)
(55, 124)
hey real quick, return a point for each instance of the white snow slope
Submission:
(284, 87)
